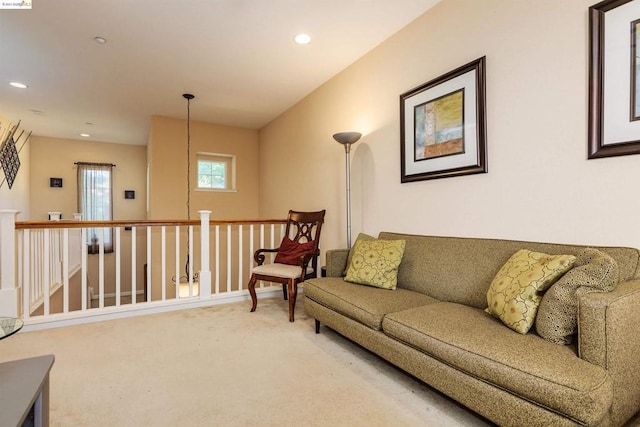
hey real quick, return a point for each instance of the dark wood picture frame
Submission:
(634, 111)
(470, 156)
(55, 182)
(129, 194)
(597, 147)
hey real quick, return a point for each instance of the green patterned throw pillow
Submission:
(361, 236)
(514, 294)
(375, 263)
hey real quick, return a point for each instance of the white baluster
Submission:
(251, 250)
(273, 232)
(65, 270)
(148, 272)
(205, 272)
(118, 267)
(163, 280)
(26, 274)
(228, 253)
(83, 268)
(45, 273)
(101, 270)
(240, 259)
(177, 261)
(134, 284)
(261, 246)
(217, 259)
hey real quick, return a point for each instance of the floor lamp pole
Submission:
(346, 139)
(347, 151)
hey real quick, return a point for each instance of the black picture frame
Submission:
(625, 129)
(55, 182)
(465, 135)
(129, 194)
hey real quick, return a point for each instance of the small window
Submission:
(216, 172)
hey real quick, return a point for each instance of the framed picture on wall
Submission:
(614, 79)
(443, 126)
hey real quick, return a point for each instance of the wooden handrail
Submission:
(28, 225)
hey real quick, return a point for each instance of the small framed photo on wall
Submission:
(129, 194)
(55, 182)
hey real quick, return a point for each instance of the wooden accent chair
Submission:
(296, 259)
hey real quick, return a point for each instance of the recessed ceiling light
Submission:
(38, 112)
(85, 135)
(18, 85)
(303, 39)
(100, 40)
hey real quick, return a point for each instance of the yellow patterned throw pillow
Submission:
(375, 263)
(514, 294)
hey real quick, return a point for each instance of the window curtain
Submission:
(95, 202)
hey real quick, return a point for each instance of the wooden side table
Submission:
(24, 387)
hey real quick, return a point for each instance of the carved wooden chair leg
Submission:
(252, 292)
(284, 291)
(317, 326)
(293, 294)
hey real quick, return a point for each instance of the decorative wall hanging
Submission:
(55, 182)
(129, 194)
(9, 154)
(443, 126)
(614, 78)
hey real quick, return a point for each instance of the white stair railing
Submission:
(151, 269)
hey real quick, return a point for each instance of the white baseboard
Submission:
(140, 309)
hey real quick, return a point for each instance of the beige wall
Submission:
(16, 198)
(54, 157)
(539, 186)
(167, 157)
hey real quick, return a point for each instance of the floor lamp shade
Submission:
(346, 139)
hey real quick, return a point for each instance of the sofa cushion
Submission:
(513, 296)
(594, 271)
(375, 263)
(527, 366)
(366, 304)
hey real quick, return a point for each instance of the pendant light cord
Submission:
(188, 155)
(188, 97)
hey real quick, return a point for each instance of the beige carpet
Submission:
(224, 366)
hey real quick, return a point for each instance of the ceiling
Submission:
(237, 57)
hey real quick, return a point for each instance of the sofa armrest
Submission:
(336, 262)
(608, 337)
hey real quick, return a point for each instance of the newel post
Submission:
(8, 290)
(205, 272)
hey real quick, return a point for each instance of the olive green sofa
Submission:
(433, 326)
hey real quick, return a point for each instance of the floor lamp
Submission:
(346, 139)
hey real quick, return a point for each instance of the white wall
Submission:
(539, 186)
